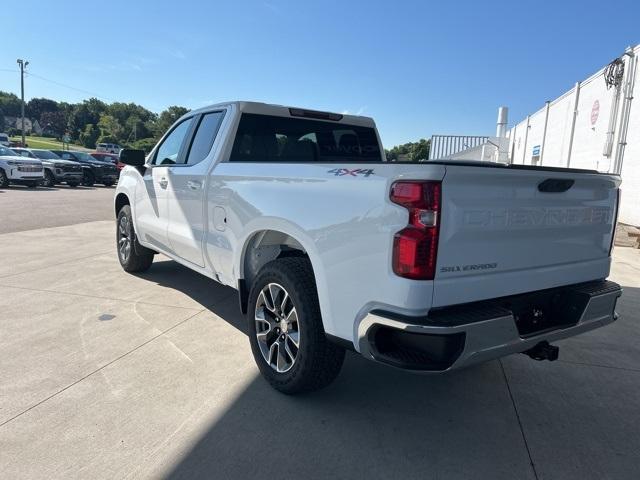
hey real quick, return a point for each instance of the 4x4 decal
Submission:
(340, 172)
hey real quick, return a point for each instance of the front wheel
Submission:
(133, 257)
(285, 328)
(49, 180)
(88, 179)
(4, 181)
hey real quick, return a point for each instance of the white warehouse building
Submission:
(595, 125)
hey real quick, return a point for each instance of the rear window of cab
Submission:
(265, 138)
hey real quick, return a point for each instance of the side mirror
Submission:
(132, 157)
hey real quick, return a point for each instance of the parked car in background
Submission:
(109, 157)
(108, 148)
(19, 170)
(56, 169)
(94, 170)
(105, 157)
(4, 140)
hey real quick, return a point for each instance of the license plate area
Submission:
(545, 310)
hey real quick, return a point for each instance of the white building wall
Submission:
(518, 138)
(590, 134)
(556, 147)
(590, 138)
(630, 205)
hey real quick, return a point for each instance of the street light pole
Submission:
(23, 64)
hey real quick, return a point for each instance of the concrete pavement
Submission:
(110, 375)
(23, 208)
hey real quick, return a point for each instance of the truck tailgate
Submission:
(509, 230)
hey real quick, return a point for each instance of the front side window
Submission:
(264, 138)
(204, 137)
(169, 149)
(84, 157)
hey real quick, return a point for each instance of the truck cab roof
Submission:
(288, 111)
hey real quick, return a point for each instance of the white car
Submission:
(4, 140)
(19, 170)
(108, 148)
(423, 266)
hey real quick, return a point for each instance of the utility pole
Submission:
(23, 64)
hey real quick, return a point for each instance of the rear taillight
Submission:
(415, 247)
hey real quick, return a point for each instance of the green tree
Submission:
(415, 151)
(145, 144)
(136, 121)
(109, 126)
(419, 151)
(9, 104)
(168, 118)
(89, 111)
(90, 135)
(37, 106)
(53, 122)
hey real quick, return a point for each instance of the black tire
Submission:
(317, 361)
(89, 179)
(49, 180)
(72, 184)
(136, 258)
(4, 181)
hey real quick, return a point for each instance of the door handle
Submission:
(164, 182)
(193, 185)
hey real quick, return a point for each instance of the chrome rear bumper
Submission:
(469, 334)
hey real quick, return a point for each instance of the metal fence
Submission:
(442, 146)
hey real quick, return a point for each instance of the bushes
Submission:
(145, 144)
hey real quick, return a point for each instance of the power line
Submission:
(40, 77)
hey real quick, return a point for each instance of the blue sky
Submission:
(417, 67)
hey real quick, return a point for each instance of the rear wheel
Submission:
(285, 329)
(133, 256)
(49, 180)
(4, 181)
(88, 179)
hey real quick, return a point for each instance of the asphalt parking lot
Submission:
(109, 375)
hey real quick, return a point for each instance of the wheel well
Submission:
(121, 201)
(263, 247)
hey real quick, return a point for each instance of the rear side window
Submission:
(264, 138)
(204, 137)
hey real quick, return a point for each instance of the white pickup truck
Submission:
(424, 266)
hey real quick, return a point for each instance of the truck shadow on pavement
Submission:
(379, 422)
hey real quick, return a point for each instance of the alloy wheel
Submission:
(277, 327)
(124, 238)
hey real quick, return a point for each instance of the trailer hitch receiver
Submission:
(543, 351)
